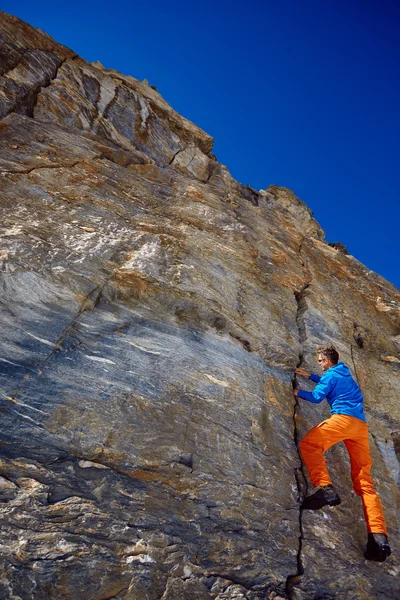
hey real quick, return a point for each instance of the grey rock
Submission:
(153, 311)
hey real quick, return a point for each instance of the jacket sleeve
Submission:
(322, 389)
(314, 377)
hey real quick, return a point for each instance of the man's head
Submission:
(327, 356)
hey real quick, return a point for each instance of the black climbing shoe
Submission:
(378, 548)
(324, 496)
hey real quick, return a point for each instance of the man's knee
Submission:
(306, 445)
(363, 486)
(312, 440)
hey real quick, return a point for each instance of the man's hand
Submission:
(295, 391)
(303, 372)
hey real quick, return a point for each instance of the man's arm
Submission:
(321, 390)
(315, 378)
(312, 376)
(308, 396)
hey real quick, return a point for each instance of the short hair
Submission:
(329, 352)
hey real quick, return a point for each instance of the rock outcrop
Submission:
(153, 312)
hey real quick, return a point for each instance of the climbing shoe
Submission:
(378, 548)
(324, 496)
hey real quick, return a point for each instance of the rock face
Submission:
(153, 312)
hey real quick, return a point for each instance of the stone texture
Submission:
(153, 312)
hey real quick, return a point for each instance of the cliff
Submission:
(153, 312)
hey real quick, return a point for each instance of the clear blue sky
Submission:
(299, 93)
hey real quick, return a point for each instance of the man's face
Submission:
(324, 362)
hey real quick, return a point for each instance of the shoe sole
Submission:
(380, 555)
(335, 502)
(332, 503)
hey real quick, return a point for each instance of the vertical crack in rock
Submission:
(174, 156)
(299, 472)
(354, 364)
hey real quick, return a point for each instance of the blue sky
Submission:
(303, 94)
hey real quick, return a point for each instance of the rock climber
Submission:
(347, 424)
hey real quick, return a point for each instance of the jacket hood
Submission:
(341, 369)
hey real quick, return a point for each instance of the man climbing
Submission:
(346, 424)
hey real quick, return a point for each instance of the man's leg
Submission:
(312, 447)
(317, 441)
(378, 547)
(361, 462)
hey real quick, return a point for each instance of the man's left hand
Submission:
(295, 391)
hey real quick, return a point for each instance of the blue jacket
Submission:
(341, 391)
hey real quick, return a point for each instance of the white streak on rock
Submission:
(98, 359)
(144, 111)
(142, 257)
(15, 230)
(86, 464)
(217, 381)
(15, 401)
(143, 349)
(143, 558)
(187, 571)
(107, 94)
(26, 417)
(41, 340)
(10, 362)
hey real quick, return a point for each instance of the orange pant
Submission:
(354, 433)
